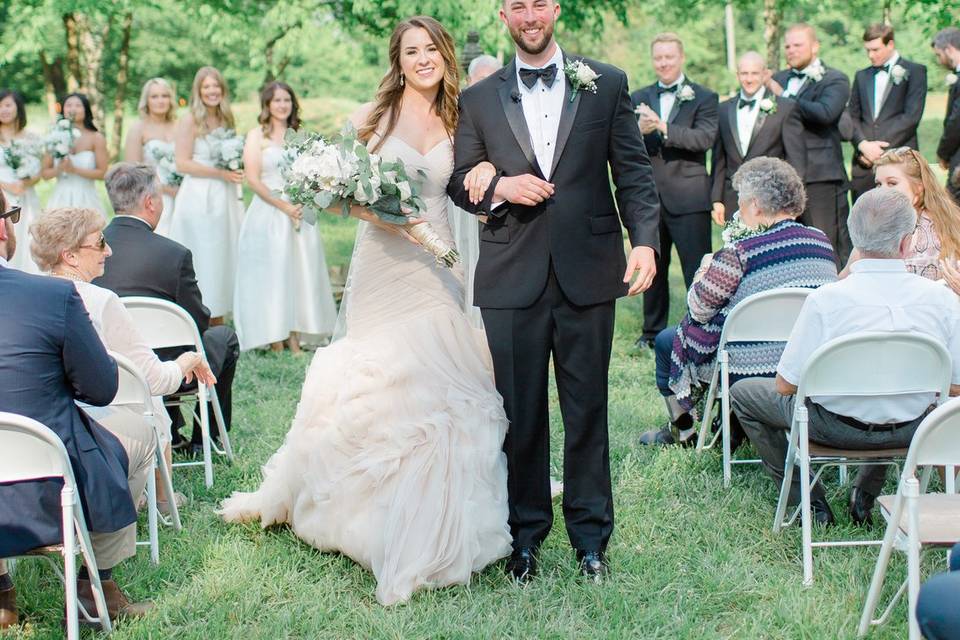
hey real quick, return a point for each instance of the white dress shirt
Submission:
(880, 82)
(669, 98)
(878, 295)
(3, 262)
(542, 107)
(794, 83)
(747, 118)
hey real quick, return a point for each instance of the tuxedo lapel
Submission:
(567, 116)
(755, 133)
(867, 90)
(886, 94)
(734, 128)
(510, 100)
(677, 104)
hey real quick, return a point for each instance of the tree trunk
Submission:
(120, 96)
(73, 51)
(887, 12)
(772, 24)
(53, 82)
(91, 45)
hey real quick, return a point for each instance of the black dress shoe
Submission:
(643, 343)
(861, 504)
(593, 564)
(820, 510)
(657, 437)
(522, 565)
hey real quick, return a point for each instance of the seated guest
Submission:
(774, 251)
(51, 356)
(937, 612)
(878, 295)
(68, 243)
(144, 263)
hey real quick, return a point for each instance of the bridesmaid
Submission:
(282, 290)
(206, 213)
(154, 134)
(76, 174)
(13, 125)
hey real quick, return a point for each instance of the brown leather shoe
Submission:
(118, 606)
(8, 608)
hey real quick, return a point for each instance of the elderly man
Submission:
(878, 295)
(946, 46)
(482, 67)
(50, 356)
(146, 264)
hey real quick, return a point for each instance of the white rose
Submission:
(686, 93)
(951, 79)
(766, 104)
(405, 190)
(63, 149)
(898, 73)
(585, 75)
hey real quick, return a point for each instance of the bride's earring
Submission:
(401, 79)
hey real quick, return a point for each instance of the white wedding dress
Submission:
(72, 190)
(394, 457)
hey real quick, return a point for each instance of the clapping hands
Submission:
(649, 120)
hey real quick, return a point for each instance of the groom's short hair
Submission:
(667, 36)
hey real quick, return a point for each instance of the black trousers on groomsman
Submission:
(828, 208)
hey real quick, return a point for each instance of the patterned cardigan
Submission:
(788, 254)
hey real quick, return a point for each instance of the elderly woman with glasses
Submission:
(68, 243)
(768, 250)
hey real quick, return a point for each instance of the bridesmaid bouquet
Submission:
(23, 157)
(166, 167)
(61, 138)
(226, 147)
(342, 172)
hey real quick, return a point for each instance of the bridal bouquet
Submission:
(342, 172)
(23, 156)
(166, 166)
(61, 138)
(226, 148)
(735, 230)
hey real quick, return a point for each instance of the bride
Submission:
(394, 456)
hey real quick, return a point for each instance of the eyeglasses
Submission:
(13, 214)
(99, 245)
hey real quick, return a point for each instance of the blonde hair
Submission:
(143, 106)
(933, 199)
(199, 110)
(666, 37)
(59, 230)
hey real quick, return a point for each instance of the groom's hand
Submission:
(528, 190)
(642, 262)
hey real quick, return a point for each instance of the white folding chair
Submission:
(767, 316)
(915, 520)
(31, 451)
(865, 364)
(164, 324)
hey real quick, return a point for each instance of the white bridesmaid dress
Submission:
(282, 281)
(72, 190)
(29, 204)
(206, 220)
(163, 227)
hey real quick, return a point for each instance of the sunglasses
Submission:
(99, 245)
(13, 214)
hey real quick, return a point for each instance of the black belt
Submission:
(865, 426)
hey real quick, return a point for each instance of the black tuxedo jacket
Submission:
(147, 264)
(51, 356)
(577, 230)
(776, 135)
(821, 105)
(949, 146)
(680, 160)
(900, 113)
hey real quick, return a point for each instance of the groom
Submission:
(552, 266)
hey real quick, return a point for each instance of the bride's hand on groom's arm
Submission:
(527, 189)
(477, 181)
(642, 261)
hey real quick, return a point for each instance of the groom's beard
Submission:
(538, 47)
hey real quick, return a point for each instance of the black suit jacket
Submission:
(775, 135)
(949, 147)
(577, 230)
(50, 357)
(680, 160)
(821, 104)
(147, 264)
(900, 113)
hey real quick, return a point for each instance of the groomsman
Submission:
(886, 104)
(820, 93)
(753, 123)
(678, 120)
(946, 45)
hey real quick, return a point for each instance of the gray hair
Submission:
(949, 37)
(59, 230)
(480, 62)
(773, 185)
(128, 184)
(879, 220)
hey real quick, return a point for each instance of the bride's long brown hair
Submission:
(390, 92)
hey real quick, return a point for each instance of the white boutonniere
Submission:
(686, 93)
(768, 106)
(581, 76)
(898, 74)
(951, 79)
(815, 71)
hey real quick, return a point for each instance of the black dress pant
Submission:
(827, 210)
(691, 234)
(579, 339)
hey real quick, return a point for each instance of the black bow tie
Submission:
(547, 75)
(798, 74)
(746, 103)
(882, 67)
(670, 89)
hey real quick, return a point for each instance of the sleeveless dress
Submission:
(282, 280)
(163, 227)
(29, 204)
(206, 220)
(72, 190)
(394, 457)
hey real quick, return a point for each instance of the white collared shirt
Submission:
(878, 295)
(794, 84)
(747, 118)
(3, 262)
(542, 107)
(880, 82)
(669, 98)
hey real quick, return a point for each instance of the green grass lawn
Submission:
(689, 559)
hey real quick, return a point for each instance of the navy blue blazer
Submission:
(50, 356)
